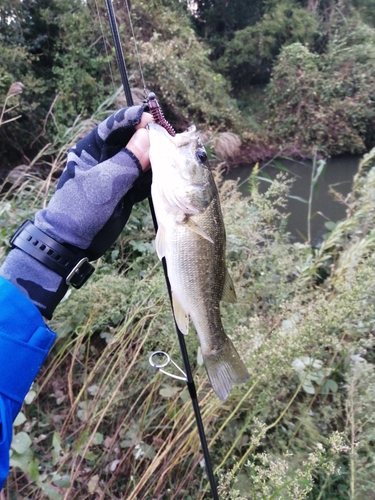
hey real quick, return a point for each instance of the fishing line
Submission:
(105, 45)
(189, 376)
(136, 48)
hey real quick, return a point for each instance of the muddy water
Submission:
(338, 175)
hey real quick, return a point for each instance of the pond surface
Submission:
(338, 174)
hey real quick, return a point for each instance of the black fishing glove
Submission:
(93, 200)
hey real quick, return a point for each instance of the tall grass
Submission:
(105, 425)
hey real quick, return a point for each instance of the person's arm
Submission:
(94, 196)
(104, 177)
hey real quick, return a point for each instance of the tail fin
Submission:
(224, 368)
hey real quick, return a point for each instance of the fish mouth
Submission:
(159, 128)
(179, 140)
(159, 135)
(155, 127)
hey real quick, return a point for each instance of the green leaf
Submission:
(265, 177)
(30, 396)
(319, 171)
(184, 395)
(51, 492)
(21, 442)
(83, 411)
(89, 455)
(330, 385)
(142, 449)
(116, 317)
(93, 484)
(64, 330)
(280, 166)
(115, 254)
(20, 419)
(21, 461)
(93, 390)
(62, 481)
(298, 198)
(308, 387)
(98, 438)
(330, 225)
(168, 391)
(34, 470)
(56, 448)
(82, 441)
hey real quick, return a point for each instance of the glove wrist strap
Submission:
(73, 267)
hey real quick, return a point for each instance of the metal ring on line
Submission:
(159, 353)
(160, 366)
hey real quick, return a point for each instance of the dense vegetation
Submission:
(289, 75)
(283, 74)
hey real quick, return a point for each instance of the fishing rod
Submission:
(159, 118)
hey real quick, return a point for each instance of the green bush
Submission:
(325, 101)
(63, 53)
(56, 49)
(177, 68)
(250, 55)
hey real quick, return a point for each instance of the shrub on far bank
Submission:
(326, 100)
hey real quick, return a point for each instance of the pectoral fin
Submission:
(181, 317)
(198, 230)
(229, 293)
(160, 242)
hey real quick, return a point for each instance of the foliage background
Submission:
(102, 424)
(264, 70)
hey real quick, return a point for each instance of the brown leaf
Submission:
(15, 88)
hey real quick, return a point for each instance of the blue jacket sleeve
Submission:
(25, 341)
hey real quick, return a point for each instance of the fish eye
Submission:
(201, 154)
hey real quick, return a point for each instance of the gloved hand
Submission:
(103, 178)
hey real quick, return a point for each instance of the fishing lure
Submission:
(158, 115)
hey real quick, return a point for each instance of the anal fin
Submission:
(180, 315)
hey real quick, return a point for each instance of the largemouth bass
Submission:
(191, 237)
